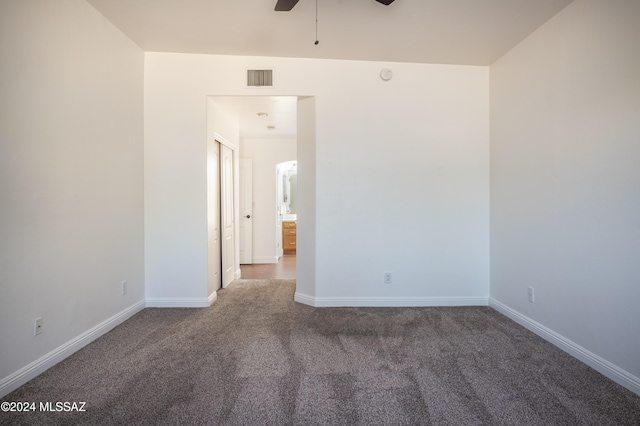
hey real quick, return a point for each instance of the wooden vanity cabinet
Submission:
(289, 237)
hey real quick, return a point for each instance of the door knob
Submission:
(248, 216)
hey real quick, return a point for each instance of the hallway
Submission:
(285, 269)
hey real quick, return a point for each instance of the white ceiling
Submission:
(281, 110)
(469, 32)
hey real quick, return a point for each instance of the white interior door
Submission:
(226, 196)
(213, 218)
(246, 211)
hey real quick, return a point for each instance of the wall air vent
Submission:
(259, 78)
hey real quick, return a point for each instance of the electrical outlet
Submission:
(37, 326)
(387, 277)
(123, 288)
(530, 294)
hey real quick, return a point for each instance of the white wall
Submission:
(71, 181)
(565, 183)
(266, 154)
(306, 231)
(175, 205)
(401, 175)
(176, 239)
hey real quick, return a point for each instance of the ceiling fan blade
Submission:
(286, 5)
(385, 2)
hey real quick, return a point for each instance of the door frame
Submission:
(214, 246)
(307, 159)
(245, 226)
(227, 216)
(235, 274)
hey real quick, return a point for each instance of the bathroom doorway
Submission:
(287, 207)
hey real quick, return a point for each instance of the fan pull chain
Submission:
(316, 43)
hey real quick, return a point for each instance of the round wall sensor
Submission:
(386, 74)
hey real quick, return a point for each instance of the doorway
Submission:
(224, 117)
(267, 136)
(285, 269)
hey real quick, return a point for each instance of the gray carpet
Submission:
(257, 358)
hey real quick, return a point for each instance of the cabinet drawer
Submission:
(289, 230)
(288, 243)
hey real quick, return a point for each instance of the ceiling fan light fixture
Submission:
(285, 5)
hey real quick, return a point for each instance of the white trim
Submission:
(328, 302)
(213, 297)
(304, 299)
(615, 373)
(179, 302)
(224, 141)
(264, 259)
(238, 273)
(39, 366)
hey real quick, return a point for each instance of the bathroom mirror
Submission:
(288, 188)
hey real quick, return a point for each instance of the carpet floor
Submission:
(255, 357)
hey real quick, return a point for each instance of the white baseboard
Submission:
(264, 259)
(304, 299)
(594, 361)
(213, 297)
(328, 302)
(181, 302)
(39, 366)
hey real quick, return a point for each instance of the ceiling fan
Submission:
(287, 5)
